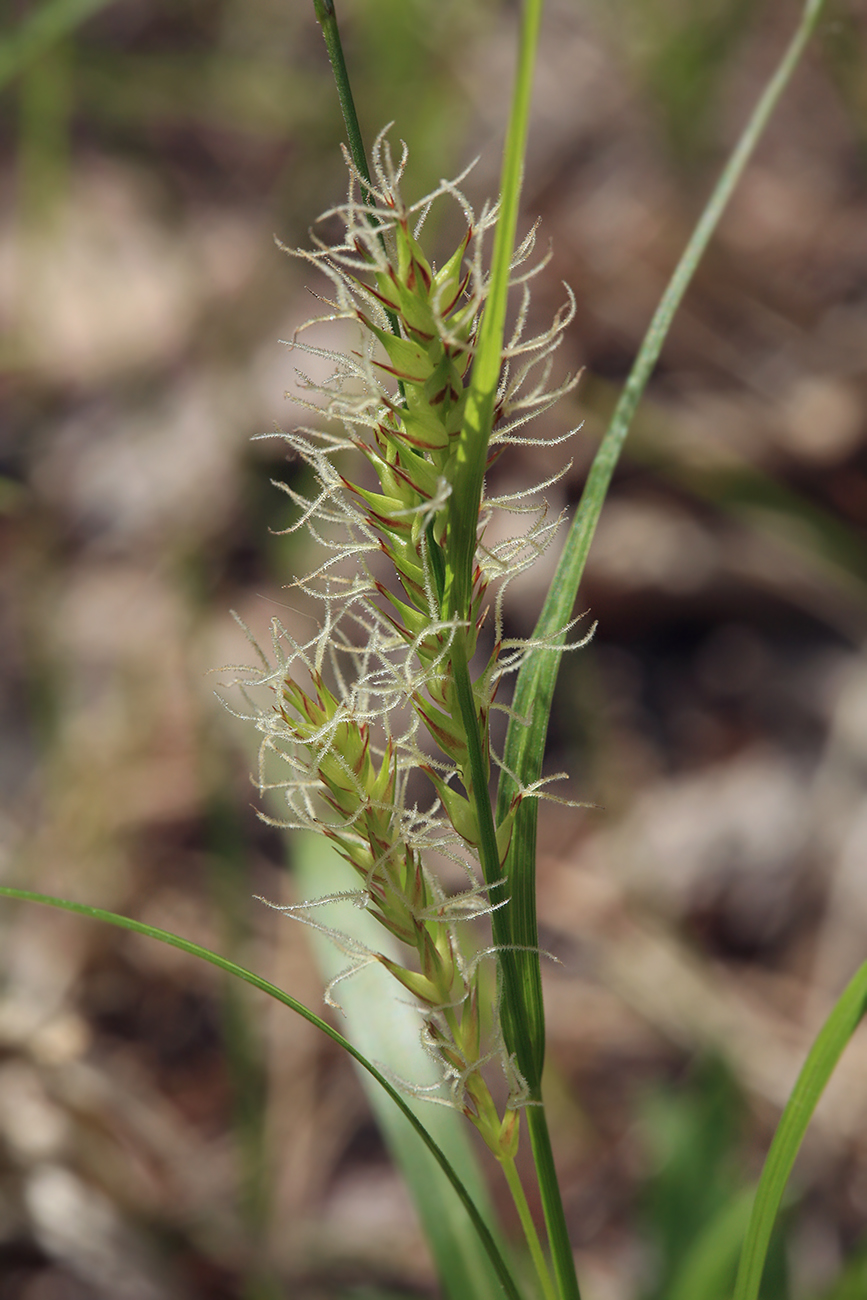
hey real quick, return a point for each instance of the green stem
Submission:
(552, 1203)
(521, 1005)
(512, 1004)
(478, 776)
(537, 1254)
(327, 19)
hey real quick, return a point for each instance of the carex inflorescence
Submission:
(372, 695)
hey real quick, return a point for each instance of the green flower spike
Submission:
(371, 697)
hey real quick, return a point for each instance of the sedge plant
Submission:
(375, 733)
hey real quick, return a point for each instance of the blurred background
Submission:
(164, 1135)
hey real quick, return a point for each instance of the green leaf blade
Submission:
(501, 1268)
(817, 1070)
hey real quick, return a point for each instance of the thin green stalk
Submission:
(516, 1030)
(534, 688)
(552, 1203)
(466, 499)
(537, 1254)
(488, 852)
(327, 19)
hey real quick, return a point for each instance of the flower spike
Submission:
(371, 697)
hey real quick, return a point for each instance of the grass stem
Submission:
(537, 1254)
(552, 1204)
(327, 19)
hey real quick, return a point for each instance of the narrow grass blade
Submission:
(494, 1253)
(326, 16)
(327, 19)
(381, 1022)
(821, 1061)
(51, 20)
(534, 689)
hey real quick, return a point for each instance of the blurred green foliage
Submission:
(694, 1207)
(682, 50)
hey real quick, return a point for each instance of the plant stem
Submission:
(488, 852)
(462, 540)
(552, 1203)
(538, 1255)
(534, 689)
(327, 19)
